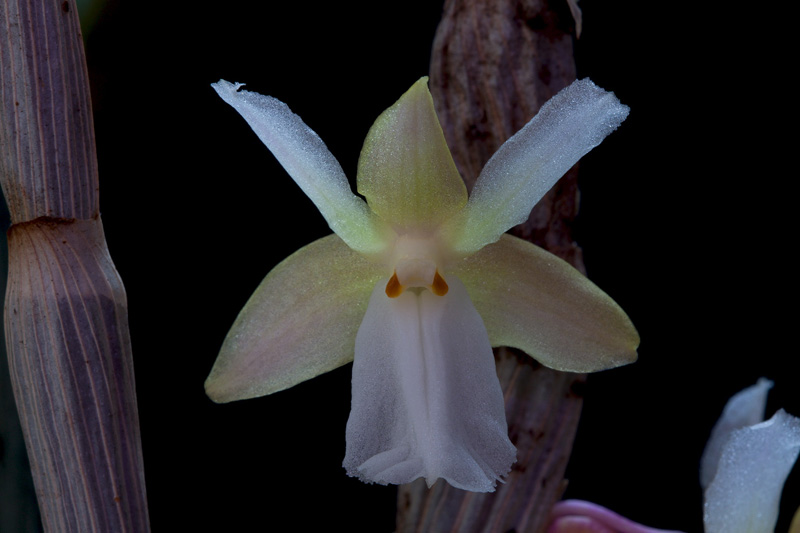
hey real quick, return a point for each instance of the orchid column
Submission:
(493, 64)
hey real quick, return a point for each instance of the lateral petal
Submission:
(405, 170)
(531, 300)
(301, 322)
(426, 399)
(310, 164)
(528, 164)
(745, 493)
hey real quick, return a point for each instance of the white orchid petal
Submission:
(745, 408)
(528, 164)
(309, 162)
(745, 493)
(426, 399)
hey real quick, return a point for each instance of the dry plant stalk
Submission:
(494, 63)
(65, 311)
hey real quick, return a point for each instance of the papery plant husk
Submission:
(66, 319)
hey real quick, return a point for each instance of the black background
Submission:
(684, 221)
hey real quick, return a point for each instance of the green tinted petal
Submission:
(405, 171)
(532, 300)
(301, 322)
(794, 527)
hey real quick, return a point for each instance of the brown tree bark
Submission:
(494, 63)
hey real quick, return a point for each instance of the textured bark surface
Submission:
(65, 311)
(494, 63)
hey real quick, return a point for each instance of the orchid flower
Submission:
(419, 281)
(742, 471)
(746, 462)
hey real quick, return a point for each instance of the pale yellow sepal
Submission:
(301, 322)
(405, 171)
(532, 300)
(794, 527)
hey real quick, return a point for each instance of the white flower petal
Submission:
(309, 162)
(745, 408)
(745, 494)
(528, 164)
(426, 399)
